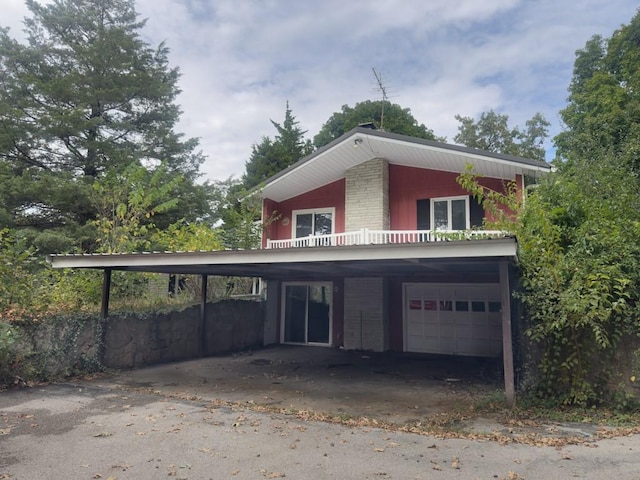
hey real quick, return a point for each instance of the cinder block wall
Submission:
(136, 340)
(365, 314)
(367, 196)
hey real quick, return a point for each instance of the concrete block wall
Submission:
(135, 340)
(365, 314)
(367, 196)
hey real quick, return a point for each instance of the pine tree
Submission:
(271, 156)
(85, 96)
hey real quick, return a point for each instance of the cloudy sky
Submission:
(242, 60)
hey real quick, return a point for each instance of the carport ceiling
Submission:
(478, 257)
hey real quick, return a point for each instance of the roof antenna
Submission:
(381, 88)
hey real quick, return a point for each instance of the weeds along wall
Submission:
(61, 346)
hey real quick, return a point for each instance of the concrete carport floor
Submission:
(388, 387)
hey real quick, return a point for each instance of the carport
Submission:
(483, 261)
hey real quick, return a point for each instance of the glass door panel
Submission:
(307, 314)
(318, 314)
(295, 313)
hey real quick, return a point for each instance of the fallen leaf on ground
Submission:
(379, 449)
(103, 434)
(455, 463)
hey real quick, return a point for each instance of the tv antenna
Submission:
(382, 89)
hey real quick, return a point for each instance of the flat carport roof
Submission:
(475, 256)
(488, 259)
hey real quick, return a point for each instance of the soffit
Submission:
(360, 145)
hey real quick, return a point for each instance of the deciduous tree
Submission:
(492, 132)
(396, 120)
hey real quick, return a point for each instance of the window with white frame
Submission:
(450, 213)
(313, 222)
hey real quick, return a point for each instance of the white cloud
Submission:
(241, 61)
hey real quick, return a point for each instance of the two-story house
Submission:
(417, 272)
(370, 243)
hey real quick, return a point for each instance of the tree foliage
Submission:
(85, 98)
(578, 261)
(578, 249)
(492, 132)
(270, 156)
(396, 120)
(603, 112)
(239, 215)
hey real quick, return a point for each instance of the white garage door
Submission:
(453, 319)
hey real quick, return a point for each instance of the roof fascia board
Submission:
(506, 247)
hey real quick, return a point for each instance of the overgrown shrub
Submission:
(579, 262)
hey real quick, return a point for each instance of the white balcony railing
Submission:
(384, 237)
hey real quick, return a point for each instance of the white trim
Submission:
(283, 290)
(499, 247)
(449, 216)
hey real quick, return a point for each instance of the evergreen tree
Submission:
(271, 156)
(83, 97)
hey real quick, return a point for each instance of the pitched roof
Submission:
(359, 145)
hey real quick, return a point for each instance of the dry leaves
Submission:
(272, 474)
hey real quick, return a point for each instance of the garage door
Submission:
(453, 319)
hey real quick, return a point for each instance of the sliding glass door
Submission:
(306, 313)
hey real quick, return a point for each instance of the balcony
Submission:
(385, 237)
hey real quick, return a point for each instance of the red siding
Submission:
(409, 184)
(331, 195)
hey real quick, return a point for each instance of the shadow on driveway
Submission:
(395, 388)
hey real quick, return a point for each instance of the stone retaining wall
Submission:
(135, 340)
(64, 346)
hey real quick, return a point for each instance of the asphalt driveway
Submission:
(248, 417)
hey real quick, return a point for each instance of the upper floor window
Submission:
(313, 222)
(449, 213)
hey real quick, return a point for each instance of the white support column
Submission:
(507, 341)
